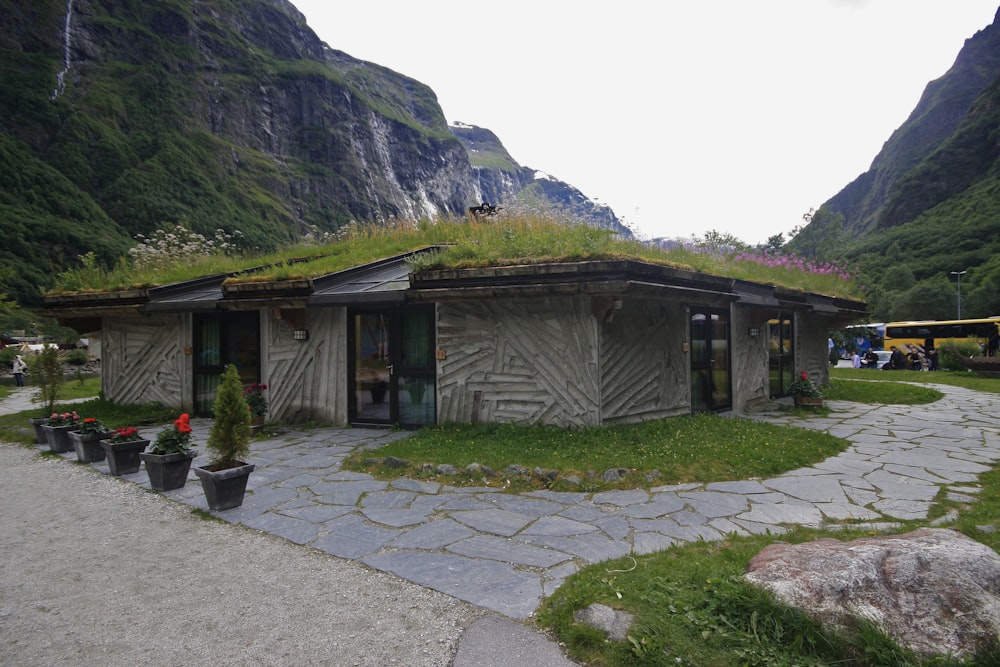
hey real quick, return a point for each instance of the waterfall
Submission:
(60, 78)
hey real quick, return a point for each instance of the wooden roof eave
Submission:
(611, 287)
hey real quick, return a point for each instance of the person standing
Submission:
(19, 367)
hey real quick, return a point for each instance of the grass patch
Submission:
(700, 448)
(205, 515)
(83, 387)
(16, 428)
(964, 379)
(72, 389)
(879, 393)
(692, 608)
(981, 520)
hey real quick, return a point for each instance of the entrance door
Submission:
(221, 339)
(781, 354)
(710, 381)
(392, 367)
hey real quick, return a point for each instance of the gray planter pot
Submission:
(37, 423)
(123, 457)
(58, 438)
(88, 446)
(167, 471)
(224, 489)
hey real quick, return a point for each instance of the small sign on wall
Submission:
(440, 354)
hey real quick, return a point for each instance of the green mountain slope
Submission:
(930, 203)
(123, 117)
(223, 114)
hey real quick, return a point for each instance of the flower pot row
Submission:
(224, 479)
(224, 489)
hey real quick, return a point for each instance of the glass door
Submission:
(780, 354)
(710, 378)
(393, 368)
(221, 339)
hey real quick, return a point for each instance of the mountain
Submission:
(499, 179)
(121, 117)
(929, 205)
(892, 191)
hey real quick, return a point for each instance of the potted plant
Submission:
(168, 460)
(122, 450)
(87, 440)
(57, 428)
(254, 395)
(805, 392)
(224, 478)
(47, 375)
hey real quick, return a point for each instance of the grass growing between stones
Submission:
(698, 448)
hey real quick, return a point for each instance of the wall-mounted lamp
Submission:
(300, 334)
(754, 332)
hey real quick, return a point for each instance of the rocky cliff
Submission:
(120, 117)
(500, 180)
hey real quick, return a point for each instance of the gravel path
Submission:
(96, 571)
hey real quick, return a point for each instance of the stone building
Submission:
(565, 343)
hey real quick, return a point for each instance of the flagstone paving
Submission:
(505, 552)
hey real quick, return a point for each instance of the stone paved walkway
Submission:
(504, 552)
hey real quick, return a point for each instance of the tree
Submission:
(821, 238)
(898, 278)
(928, 300)
(229, 439)
(983, 288)
(721, 241)
(47, 375)
(772, 246)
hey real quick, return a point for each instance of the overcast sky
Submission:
(684, 117)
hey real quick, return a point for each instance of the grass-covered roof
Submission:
(502, 241)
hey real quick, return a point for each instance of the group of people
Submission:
(912, 358)
(908, 357)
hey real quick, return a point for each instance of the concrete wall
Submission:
(307, 380)
(644, 368)
(147, 360)
(812, 350)
(522, 360)
(751, 383)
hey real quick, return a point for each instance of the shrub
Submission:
(949, 354)
(229, 439)
(77, 357)
(47, 373)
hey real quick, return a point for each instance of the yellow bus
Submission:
(930, 334)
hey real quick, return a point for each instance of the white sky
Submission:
(683, 116)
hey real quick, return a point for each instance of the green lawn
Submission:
(16, 427)
(953, 378)
(699, 448)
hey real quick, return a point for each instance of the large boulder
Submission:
(934, 591)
